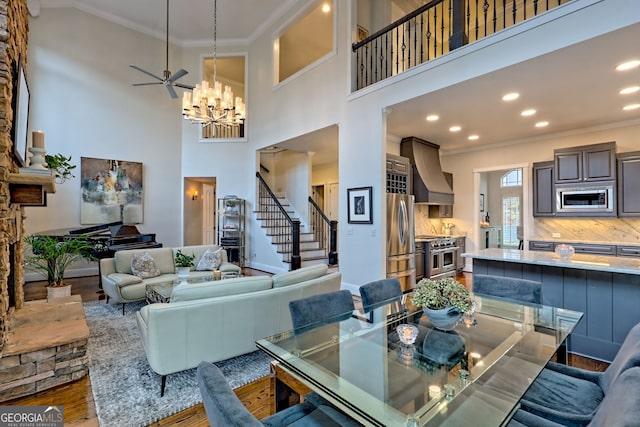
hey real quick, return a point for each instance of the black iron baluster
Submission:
(468, 17)
(428, 35)
(477, 29)
(375, 62)
(535, 7)
(397, 50)
(495, 17)
(404, 47)
(386, 49)
(485, 8)
(514, 10)
(421, 39)
(435, 24)
(524, 10)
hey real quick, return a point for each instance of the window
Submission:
(306, 41)
(511, 184)
(510, 221)
(513, 178)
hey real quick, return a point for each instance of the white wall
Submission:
(82, 98)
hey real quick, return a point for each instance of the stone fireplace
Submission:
(42, 343)
(13, 45)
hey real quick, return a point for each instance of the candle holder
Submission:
(407, 333)
(37, 158)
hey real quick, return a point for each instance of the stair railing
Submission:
(434, 29)
(325, 231)
(275, 218)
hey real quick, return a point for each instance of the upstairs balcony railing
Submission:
(435, 29)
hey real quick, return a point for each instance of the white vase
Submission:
(183, 272)
(58, 291)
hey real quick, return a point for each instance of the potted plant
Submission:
(50, 257)
(183, 263)
(61, 166)
(442, 300)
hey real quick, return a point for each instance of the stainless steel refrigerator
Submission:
(401, 240)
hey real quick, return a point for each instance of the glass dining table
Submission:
(381, 375)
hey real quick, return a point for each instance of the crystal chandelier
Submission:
(209, 105)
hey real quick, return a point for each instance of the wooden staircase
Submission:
(310, 249)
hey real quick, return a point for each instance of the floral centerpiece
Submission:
(442, 300)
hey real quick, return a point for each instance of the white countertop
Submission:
(579, 261)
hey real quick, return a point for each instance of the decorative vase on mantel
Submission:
(444, 319)
(58, 291)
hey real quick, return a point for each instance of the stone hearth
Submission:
(46, 346)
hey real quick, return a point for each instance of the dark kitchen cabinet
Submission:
(543, 197)
(629, 184)
(596, 162)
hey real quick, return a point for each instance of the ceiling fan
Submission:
(167, 79)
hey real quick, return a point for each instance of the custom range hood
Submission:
(429, 182)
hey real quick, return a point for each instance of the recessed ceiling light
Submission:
(432, 117)
(326, 8)
(542, 124)
(473, 137)
(529, 112)
(628, 65)
(631, 107)
(455, 129)
(630, 89)
(511, 96)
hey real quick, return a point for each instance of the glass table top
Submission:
(472, 375)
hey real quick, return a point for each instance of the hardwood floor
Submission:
(77, 397)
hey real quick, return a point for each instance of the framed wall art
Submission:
(359, 205)
(20, 115)
(111, 190)
(481, 202)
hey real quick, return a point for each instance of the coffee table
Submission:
(161, 291)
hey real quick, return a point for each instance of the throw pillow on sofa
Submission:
(210, 260)
(143, 265)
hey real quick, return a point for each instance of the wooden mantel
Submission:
(31, 189)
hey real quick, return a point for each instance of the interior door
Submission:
(332, 202)
(208, 214)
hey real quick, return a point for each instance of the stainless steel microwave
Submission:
(596, 199)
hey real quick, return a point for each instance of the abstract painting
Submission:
(111, 190)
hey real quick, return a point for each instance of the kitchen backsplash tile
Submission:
(589, 230)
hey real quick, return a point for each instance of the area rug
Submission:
(126, 391)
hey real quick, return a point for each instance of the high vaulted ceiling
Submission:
(574, 88)
(190, 21)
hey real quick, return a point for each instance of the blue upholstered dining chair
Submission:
(620, 407)
(311, 312)
(570, 395)
(224, 408)
(380, 292)
(508, 287)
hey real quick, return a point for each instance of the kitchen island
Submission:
(606, 289)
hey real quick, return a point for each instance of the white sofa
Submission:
(214, 321)
(121, 285)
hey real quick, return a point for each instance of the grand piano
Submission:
(108, 239)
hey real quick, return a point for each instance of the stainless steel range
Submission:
(440, 257)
